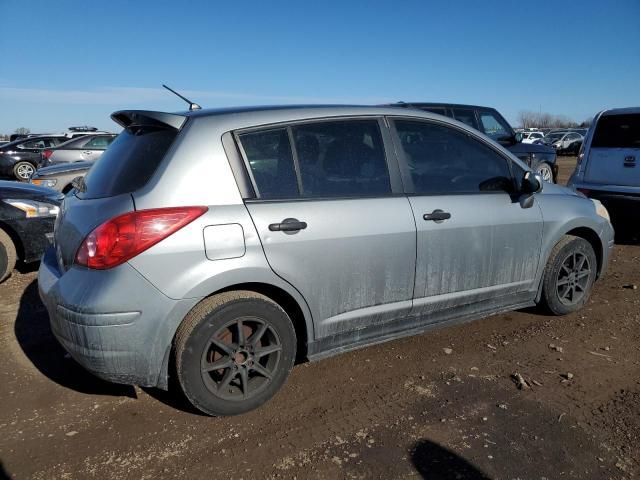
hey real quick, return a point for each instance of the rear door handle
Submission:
(87, 152)
(437, 216)
(288, 225)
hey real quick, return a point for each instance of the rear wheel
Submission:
(7, 255)
(233, 352)
(23, 171)
(569, 275)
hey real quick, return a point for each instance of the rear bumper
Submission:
(620, 202)
(114, 322)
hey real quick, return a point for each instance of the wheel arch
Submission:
(594, 239)
(294, 305)
(15, 238)
(288, 304)
(584, 232)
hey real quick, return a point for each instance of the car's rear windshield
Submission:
(617, 131)
(129, 162)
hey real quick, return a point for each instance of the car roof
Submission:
(28, 139)
(260, 115)
(621, 111)
(440, 104)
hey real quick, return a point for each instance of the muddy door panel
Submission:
(478, 247)
(352, 260)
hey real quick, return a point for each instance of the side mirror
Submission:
(518, 137)
(531, 183)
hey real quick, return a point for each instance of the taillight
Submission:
(123, 237)
(47, 153)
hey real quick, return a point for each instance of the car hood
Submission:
(9, 189)
(531, 148)
(62, 168)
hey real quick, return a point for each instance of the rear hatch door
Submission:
(105, 192)
(614, 156)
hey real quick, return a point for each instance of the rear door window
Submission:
(33, 144)
(99, 143)
(467, 116)
(127, 165)
(439, 110)
(341, 159)
(617, 131)
(270, 160)
(331, 159)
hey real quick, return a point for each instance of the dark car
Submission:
(85, 148)
(19, 159)
(61, 176)
(27, 215)
(540, 158)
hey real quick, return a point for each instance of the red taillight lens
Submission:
(123, 237)
(47, 153)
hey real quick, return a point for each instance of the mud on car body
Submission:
(220, 245)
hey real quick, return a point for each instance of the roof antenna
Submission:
(192, 105)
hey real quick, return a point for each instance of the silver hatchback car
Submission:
(220, 246)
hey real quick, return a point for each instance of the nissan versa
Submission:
(220, 246)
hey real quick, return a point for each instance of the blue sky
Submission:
(66, 63)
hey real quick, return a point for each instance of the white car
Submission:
(531, 137)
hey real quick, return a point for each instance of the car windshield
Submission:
(554, 137)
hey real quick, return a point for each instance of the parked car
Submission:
(84, 148)
(564, 142)
(531, 137)
(60, 177)
(541, 158)
(608, 167)
(75, 132)
(224, 244)
(27, 214)
(19, 159)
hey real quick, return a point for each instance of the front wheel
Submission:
(233, 352)
(23, 171)
(545, 171)
(569, 275)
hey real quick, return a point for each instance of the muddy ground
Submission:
(404, 409)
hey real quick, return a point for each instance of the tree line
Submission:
(529, 119)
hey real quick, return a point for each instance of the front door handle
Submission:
(437, 216)
(288, 225)
(87, 152)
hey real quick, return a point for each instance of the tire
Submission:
(569, 275)
(23, 171)
(545, 171)
(7, 255)
(244, 380)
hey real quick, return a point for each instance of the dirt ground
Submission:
(404, 409)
